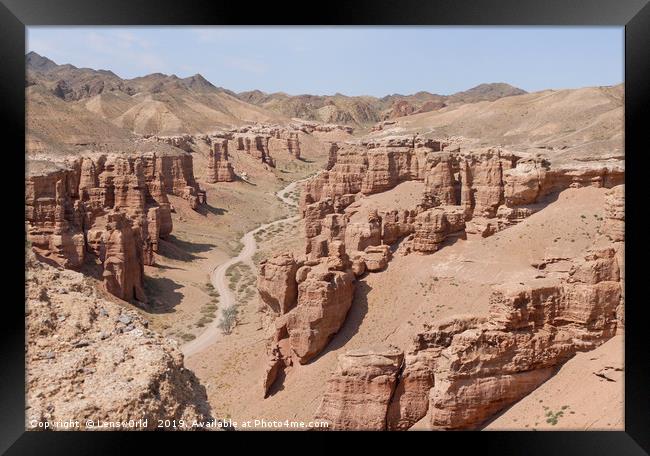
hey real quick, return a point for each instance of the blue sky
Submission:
(351, 60)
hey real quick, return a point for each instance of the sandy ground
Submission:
(183, 302)
(223, 277)
(406, 195)
(594, 403)
(392, 305)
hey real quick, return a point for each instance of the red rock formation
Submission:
(285, 142)
(433, 226)
(276, 282)
(359, 391)
(495, 188)
(265, 141)
(52, 232)
(396, 224)
(614, 229)
(486, 171)
(219, 168)
(275, 364)
(324, 298)
(480, 366)
(371, 167)
(464, 369)
(376, 258)
(123, 266)
(257, 146)
(331, 157)
(306, 324)
(439, 183)
(410, 401)
(358, 236)
(177, 173)
(112, 209)
(480, 191)
(523, 184)
(615, 214)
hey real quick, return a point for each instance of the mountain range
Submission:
(364, 110)
(166, 104)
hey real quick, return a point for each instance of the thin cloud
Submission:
(246, 65)
(126, 47)
(214, 35)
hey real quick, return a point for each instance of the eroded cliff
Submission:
(109, 210)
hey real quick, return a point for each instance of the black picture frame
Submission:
(634, 15)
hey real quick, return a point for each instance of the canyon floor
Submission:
(445, 262)
(391, 306)
(179, 285)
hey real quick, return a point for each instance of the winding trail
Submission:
(218, 278)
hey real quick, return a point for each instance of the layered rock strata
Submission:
(257, 146)
(219, 168)
(281, 140)
(358, 392)
(277, 283)
(107, 209)
(476, 192)
(614, 227)
(463, 370)
(495, 187)
(261, 141)
(614, 230)
(310, 300)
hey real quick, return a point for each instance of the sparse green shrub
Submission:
(553, 417)
(228, 319)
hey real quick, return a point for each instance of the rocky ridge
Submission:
(89, 358)
(474, 192)
(365, 110)
(108, 210)
(462, 370)
(155, 104)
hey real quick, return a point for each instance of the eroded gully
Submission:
(213, 332)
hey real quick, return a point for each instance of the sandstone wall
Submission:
(359, 391)
(476, 192)
(495, 187)
(108, 209)
(219, 168)
(462, 370)
(310, 300)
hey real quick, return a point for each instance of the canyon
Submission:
(432, 264)
(477, 193)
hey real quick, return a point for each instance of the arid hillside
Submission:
(153, 104)
(366, 110)
(578, 124)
